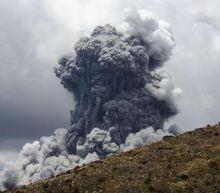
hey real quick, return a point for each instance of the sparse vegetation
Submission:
(184, 164)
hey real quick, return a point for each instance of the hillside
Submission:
(187, 163)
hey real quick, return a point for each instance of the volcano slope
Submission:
(186, 163)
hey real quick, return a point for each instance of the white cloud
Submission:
(8, 155)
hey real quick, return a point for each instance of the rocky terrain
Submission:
(186, 163)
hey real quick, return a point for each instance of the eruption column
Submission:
(108, 74)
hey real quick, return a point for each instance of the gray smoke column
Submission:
(113, 77)
(123, 98)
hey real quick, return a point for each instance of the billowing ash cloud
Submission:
(155, 35)
(122, 99)
(108, 74)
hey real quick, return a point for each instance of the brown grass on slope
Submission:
(185, 164)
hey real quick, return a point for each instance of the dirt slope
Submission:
(187, 163)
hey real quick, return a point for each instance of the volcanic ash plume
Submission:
(122, 96)
(114, 80)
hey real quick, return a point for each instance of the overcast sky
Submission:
(35, 33)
